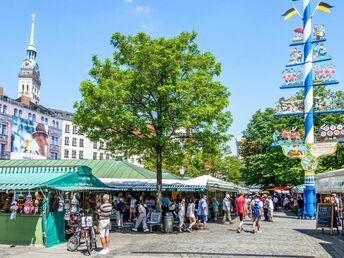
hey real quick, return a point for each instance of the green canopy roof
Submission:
(100, 168)
(77, 178)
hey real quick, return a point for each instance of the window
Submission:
(81, 143)
(101, 156)
(74, 129)
(3, 129)
(34, 117)
(54, 140)
(67, 129)
(94, 145)
(66, 154)
(94, 155)
(29, 116)
(15, 113)
(4, 109)
(53, 123)
(66, 140)
(81, 154)
(74, 142)
(42, 119)
(20, 113)
(73, 154)
(3, 151)
(54, 155)
(101, 146)
(57, 124)
(46, 121)
(107, 156)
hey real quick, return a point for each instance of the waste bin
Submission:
(168, 224)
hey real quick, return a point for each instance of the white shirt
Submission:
(271, 204)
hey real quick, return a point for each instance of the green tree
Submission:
(154, 97)
(267, 166)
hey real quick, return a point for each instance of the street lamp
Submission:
(182, 171)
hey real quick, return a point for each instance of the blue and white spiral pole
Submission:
(309, 192)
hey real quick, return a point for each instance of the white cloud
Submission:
(128, 1)
(143, 9)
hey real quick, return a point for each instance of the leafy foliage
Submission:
(155, 97)
(267, 166)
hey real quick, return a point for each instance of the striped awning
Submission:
(138, 186)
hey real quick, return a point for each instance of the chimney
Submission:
(1, 91)
(25, 100)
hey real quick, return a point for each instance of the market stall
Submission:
(36, 202)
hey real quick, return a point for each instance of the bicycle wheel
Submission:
(73, 243)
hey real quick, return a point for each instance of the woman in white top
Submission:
(191, 214)
(132, 209)
(181, 214)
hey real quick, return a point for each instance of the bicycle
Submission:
(84, 230)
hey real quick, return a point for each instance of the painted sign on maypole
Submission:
(312, 75)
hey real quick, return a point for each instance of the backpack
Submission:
(256, 208)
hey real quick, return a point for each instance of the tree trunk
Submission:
(158, 178)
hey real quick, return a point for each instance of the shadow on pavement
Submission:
(333, 245)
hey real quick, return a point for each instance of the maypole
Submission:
(309, 193)
(314, 51)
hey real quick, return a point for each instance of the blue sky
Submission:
(249, 38)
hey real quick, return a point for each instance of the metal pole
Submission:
(309, 192)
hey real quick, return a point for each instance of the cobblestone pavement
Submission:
(285, 237)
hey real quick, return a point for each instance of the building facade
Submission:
(22, 120)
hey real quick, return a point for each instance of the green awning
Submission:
(77, 178)
(100, 168)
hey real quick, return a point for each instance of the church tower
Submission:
(29, 83)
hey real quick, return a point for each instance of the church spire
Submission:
(31, 49)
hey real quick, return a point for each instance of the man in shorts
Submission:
(240, 204)
(104, 213)
(257, 211)
(202, 212)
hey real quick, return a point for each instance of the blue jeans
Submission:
(300, 213)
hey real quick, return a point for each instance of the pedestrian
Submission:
(165, 204)
(215, 208)
(120, 207)
(300, 206)
(335, 201)
(191, 214)
(286, 203)
(240, 208)
(275, 200)
(202, 212)
(142, 219)
(150, 203)
(335, 217)
(270, 209)
(266, 209)
(132, 209)
(226, 206)
(181, 214)
(104, 213)
(257, 211)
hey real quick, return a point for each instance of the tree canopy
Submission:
(267, 166)
(156, 98)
